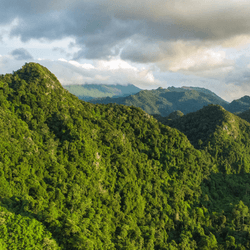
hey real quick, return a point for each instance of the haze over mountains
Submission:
(74, 175)
(87, 92)
(185, 99)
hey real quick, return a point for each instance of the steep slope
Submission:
(222, 133)
(245, 115)
(84, 176)
(165, 101)
(87, 92)
(202, 90)
(172, 116)
(239, 105)
(96, 177)
(226, 137)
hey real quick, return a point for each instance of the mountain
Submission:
(89, 176)
(226, 137)
(172, 116)
(202, 90)
(245, 115)
(165, 101)
(87, 92)
(74, 175)
(239, 105)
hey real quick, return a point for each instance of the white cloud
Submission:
(113, 40)
(79, 65)
(114, 64)
(233, 91)
(106, 72)
(194, 59)
(101, 78)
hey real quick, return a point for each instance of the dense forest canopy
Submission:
(165, 101)
(74, 175)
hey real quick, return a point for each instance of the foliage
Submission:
(74, 175)
(165, 101)
(239, 105)
(245, 115)
(23, 232)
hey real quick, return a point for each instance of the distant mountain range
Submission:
(165, 101)
(239, 105)
(87, 92)
(185, 99)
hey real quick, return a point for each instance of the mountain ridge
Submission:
(87, 92)
(165, 101)
(74, 175)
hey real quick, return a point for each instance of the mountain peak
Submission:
(201, 124)
(36, 73)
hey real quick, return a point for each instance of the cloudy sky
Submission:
(148, 43)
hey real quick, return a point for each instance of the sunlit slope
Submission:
(225, 135)
(95, 176)
(75, 175)
(165, 101)
(240, 105)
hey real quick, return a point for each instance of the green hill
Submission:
(74, 175)
(165, 101)
(226, 138)
(87, 92)
(245, 115)
(239, 105)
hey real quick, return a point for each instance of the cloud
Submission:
(61, 51)
(187, 57)
(101, 29)
(233, 86)
(233, 91)
(77, 64)
(114, 71)
(21, 54)
(8, 64)
(114, 37)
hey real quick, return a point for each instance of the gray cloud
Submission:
(62, 51)
(142, 31)
(21, 54)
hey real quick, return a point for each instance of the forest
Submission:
(77, 175)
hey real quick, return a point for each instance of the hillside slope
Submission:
(87, 92)
(245, 115)
(226, 137)
(96, 177)
(240, 105)
(165, 101)
(74, 175)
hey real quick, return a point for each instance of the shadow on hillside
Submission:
(58, 125)
(225, 191)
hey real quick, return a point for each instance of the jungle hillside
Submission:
(77, 175)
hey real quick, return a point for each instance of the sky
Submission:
(149, 43)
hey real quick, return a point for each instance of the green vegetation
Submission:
(87, 92)
(225, 137)
(239, 105)
(74, 175)
(245, 115)
(174, 115)
(165, 101)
